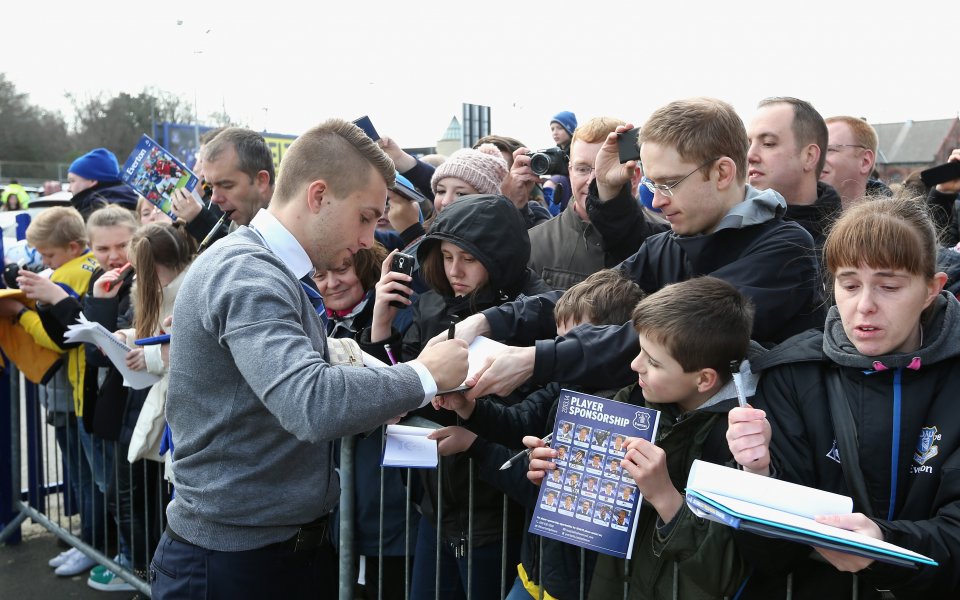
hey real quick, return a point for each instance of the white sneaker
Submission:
(63, 557)
(77, 564)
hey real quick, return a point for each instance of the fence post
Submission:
(9, 440)
(36, 486)
(347, 504)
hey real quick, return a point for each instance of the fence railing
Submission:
(113, 511)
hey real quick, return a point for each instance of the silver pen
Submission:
(526, 452)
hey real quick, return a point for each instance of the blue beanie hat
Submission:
(98, 165)
(565, 119)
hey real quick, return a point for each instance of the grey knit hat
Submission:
(483, 168)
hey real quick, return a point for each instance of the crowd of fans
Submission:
(770, 245)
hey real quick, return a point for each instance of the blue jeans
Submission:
(518, 592)
(485, 581)
(94, 481)
(67, 437)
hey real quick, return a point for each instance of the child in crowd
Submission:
(110, 406)
(492, 429)
(161, 255)
(474, 257)
(689, 333)
(60, 237)
(881, 381)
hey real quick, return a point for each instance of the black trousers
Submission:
(180, 571)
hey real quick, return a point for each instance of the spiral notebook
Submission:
(98, 335)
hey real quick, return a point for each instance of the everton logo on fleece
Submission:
(641, 421)
(926, 448)
(834, 453)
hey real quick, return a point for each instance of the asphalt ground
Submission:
(25, 575)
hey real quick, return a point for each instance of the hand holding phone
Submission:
(401, 263)
(627, 146)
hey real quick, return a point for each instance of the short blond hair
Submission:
(864, 133)
(336, 151)
(596, 130)
(57, 227)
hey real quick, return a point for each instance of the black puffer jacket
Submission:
(769, 260)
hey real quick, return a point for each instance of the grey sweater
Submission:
(253, 405)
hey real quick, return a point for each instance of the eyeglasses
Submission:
(582, 170)
(667, 188)
(831, 148)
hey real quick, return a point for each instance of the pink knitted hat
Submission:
(483, 168)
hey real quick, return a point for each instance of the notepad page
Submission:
(757, 489)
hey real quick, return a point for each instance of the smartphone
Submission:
(940, 174)
(401, 263)
(627, 146)
(366, 125)
(126, 272)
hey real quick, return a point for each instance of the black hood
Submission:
(491, 229)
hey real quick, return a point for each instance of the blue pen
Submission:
(150, 341)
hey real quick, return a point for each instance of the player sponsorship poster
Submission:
(589, 500)
(155, 173)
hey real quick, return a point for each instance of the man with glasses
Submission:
(694, 154)
(851, 155)
(568, 249)
(788, 139)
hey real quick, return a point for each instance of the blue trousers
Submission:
(485, 582)
(181, 571)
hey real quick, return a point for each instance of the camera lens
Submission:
(540, 163)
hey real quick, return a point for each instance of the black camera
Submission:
(552, 161)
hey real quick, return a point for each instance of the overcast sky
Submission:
(410, 64)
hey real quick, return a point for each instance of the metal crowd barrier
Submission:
(50, 499)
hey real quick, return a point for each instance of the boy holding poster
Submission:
(689, 334)
(606, 297)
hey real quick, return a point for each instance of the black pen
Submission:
(452, 331)
(526, 452)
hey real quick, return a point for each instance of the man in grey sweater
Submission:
(253, 405)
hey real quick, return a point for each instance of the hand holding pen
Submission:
(520, 455)
(541, 458)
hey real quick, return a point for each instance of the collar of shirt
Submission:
(282, 243)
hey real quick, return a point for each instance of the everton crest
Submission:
(641, 420)
(926, 446)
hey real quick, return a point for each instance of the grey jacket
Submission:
(253, 405)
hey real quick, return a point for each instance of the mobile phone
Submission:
(940, 174)
(126, 272)
(366, 125)
(627, 146)
(401, 263)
